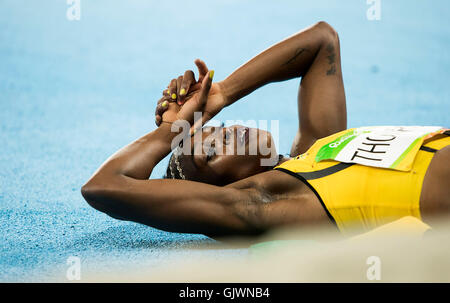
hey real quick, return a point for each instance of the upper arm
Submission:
(321, 96)
(177, 205)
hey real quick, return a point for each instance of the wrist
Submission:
(169, 132)
(227, 90)
(164, 133)
(241, 83)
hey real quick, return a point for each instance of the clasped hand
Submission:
(184, 96)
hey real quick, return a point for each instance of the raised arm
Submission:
(314, 55)
(120, 188)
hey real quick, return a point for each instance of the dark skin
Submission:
(220, 150)
(262, 201)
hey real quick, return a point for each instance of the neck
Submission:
(282, 159)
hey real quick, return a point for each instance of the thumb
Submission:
(203, 98)
(206, 86)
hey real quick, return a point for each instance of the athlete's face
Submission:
(222, 155)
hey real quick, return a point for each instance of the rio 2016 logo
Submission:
(343, 139)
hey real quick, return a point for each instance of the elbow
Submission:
(87, 192)
(100, 196)
(97, 195)
(91, 193)
(328, 33)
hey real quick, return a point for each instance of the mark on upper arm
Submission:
(298, 52)
(331, 59)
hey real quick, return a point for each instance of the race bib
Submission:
(392, 147)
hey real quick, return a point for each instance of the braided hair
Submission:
(175, 169)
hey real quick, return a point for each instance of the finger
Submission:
(206, 86)
(158, 120)
(166, 92)
(192, 92)
(173, 89)
(188, 79)
(202, 69)
(164, 98)
(179, 81)
(159, 111)
(204, 91)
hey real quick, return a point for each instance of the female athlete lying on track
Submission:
(357, 179)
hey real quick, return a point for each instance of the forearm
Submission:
(285, 60)
(137, 159)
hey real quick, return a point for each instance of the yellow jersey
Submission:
(359, 197)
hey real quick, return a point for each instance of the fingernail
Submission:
(182, 92)
(211, 74)
(164, 104)
(174, 96)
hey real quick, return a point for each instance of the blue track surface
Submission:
(72, 93)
